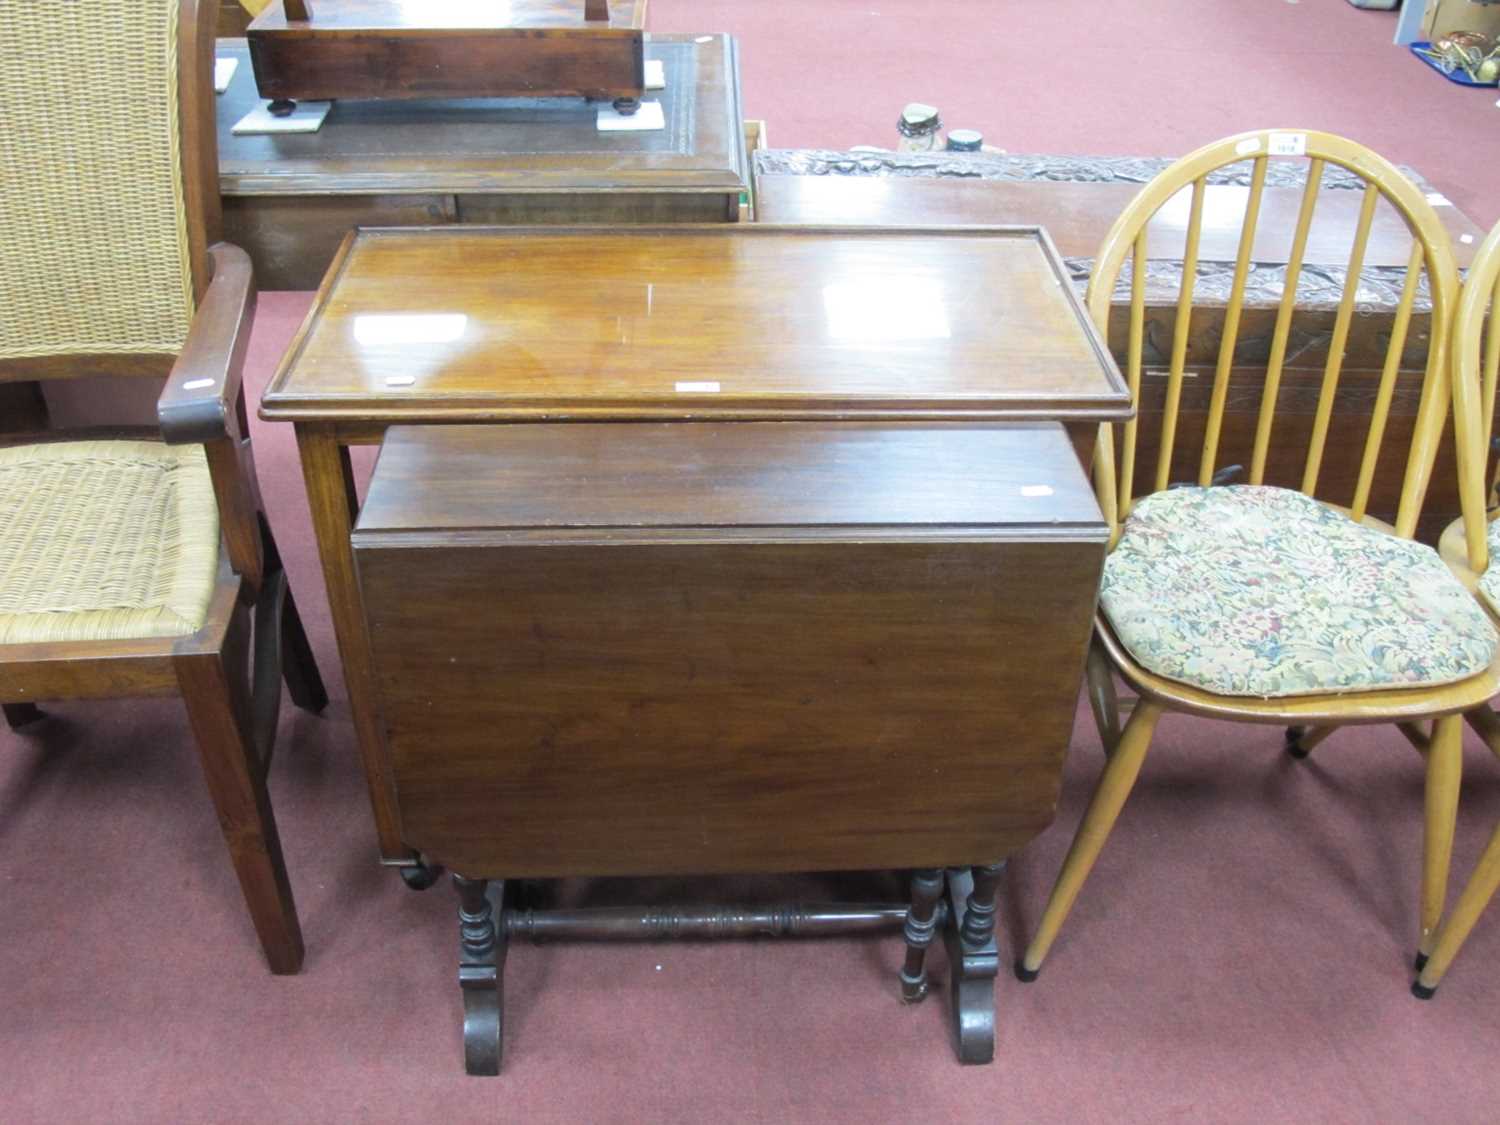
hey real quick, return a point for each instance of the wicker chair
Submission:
(139, 563)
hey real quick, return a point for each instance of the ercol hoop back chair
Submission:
(132, 563)
(1471, 547)
(1268, 604)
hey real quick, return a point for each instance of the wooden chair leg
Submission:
(1104, 808)
(921, 925)
(1300, 741)
(1486, 724)
(18, 715)
(1104, 700)
(299, 668)
(216, 691)
(1444, 773)
(1455, 929)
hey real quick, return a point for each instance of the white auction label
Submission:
(1287, 144)
(1247, 146)
(697, 388)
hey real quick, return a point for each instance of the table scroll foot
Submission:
(481, 972)
(974, 960)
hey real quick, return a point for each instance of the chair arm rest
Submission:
(198, 403)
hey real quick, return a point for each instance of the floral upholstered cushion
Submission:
(1489, 581)
(1258, 591)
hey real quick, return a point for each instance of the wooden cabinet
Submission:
(289, 199)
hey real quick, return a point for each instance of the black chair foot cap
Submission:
(1025, 975)
(1293, 737)
(1421, 991)
(1420, 962)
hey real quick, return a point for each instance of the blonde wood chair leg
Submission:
(1444, 772)
(1418, 735)
(1104, 700)
(1455, 929)
(1104, 808)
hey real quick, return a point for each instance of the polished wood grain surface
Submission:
(714, 648)
(396, 49)
(703, 322)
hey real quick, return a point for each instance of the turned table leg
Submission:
(481, 941)
(329, 476)
(921, 926)
(973, 958)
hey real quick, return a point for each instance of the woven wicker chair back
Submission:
(94, 249)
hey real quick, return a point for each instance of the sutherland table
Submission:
(727, 323)
(746, 323)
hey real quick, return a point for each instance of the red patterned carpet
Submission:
(1240, 954)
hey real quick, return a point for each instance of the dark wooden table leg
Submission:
(974, 959)
(481, 969)
(921, 926)
(329, 480)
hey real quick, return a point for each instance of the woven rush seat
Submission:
(105, 540)
(1256, 591)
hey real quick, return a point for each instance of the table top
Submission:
(500, 144)
(661, 323)
(377, 15)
